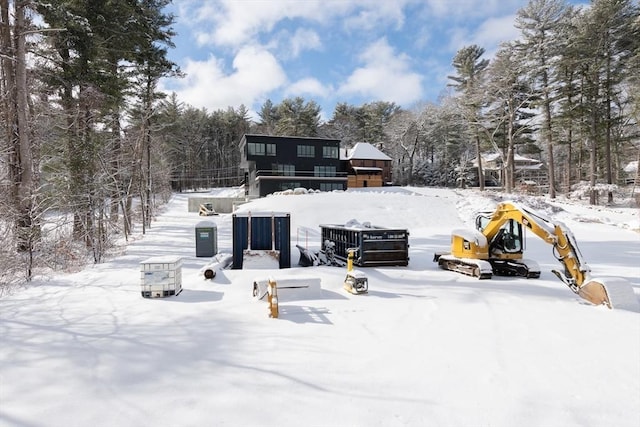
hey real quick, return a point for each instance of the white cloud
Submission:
(374, 14)
(307, 86)
(289, 46)
(489, 34)
(304, 39)
(494, 31)
(234, 22)
(255, 73)
(385, 76)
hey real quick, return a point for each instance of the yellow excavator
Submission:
(497, 247)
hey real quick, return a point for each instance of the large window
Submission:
(271, 149)
(306, 151)
(284, 170)
(330, 186)
(324, 171)
(256, 148)
(330, 152)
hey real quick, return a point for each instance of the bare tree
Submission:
(18, 129)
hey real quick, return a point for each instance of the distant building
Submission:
(277, 163)
(631, 174)
(526, 169)
(366, 166)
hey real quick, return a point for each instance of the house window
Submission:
(330, 152)
(256, 148)
(283, 170)
(330, 186)
(324, 171)
(306, 151)
(271, 149)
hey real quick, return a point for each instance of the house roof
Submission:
(365, 151)
(489, 157)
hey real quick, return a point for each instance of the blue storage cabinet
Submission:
(261, 235)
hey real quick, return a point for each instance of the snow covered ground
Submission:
(423, 347)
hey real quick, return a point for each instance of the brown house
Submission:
(366, 166)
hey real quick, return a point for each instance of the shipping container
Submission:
(269, 231)
(376, 246)
(161, 276)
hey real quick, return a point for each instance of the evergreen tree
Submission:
(608, 41)
(540, 23)
(512, 100)
(470, 68)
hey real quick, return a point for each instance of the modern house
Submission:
(277, 163)
(366, 166)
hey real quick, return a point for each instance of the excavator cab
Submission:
(506, 247)
(508, 240)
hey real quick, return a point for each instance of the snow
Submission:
(423, 347)
(631, 167)
(364, 150)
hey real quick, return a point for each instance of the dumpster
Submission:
(206, 239)
(377, 246)
(267, 232)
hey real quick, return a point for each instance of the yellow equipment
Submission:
(206, 209)
(356, 281)
(268, 288)
(272, 299)
(496, 247)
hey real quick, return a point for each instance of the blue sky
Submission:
(356, 51)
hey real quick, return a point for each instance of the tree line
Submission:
(91, 142)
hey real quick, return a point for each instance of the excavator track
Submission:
(520, 268)
(471, 267)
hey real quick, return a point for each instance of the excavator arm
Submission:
(576, 274)
(564, 245)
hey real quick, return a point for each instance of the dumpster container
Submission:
(269, 232)
(377, 246)
(206, 239)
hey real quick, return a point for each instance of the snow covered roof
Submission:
(631, 167)
(490, 157)
(365, 151)
(517, 157)
(536, 166)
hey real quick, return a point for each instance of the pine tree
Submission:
(470, 68)
(540, 23)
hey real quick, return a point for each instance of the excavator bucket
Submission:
(614, 292)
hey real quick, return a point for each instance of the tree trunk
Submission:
(479, 156)
(593, 169)
(607, 146)
(549, 138)
(27, 227)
